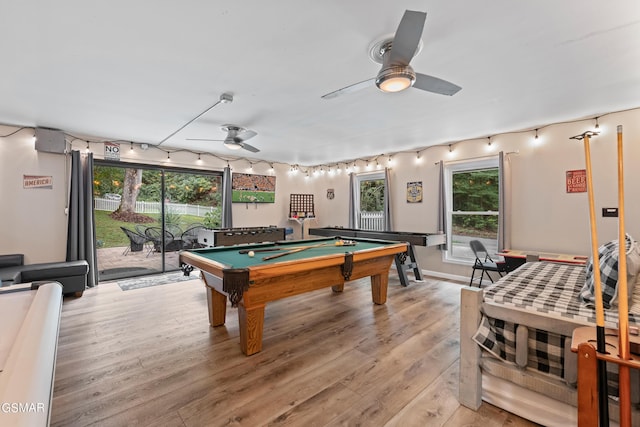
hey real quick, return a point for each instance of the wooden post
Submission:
(470, 377)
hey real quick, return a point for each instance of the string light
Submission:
(489, 144)
(451, 154)
(536, 138)
(597, 128)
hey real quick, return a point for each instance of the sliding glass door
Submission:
(145, 215)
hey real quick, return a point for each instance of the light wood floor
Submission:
(148, 357)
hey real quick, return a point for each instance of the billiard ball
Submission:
(251, 253)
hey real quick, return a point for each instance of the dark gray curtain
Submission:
(442, 204)
(353, 222)
(504, 202)
(81, 230)
(387, 201)
(227, 191)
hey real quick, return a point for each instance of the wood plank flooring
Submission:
(148, 357)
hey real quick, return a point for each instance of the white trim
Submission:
(441, 275)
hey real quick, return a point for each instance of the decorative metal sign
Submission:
(577, 181)
(37, 181)
(330, 194)
(414, 192)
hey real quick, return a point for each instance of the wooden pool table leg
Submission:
(217, 303)
(379, 284)
(338, 288)
(251, 322)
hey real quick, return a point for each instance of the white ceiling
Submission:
(140, 70)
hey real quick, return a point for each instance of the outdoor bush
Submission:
(213, 219)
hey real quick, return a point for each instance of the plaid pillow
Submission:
(608, 256)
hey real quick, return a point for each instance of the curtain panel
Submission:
(227, 192)
(81, 230)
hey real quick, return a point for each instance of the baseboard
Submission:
(442, 275)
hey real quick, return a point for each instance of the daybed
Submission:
(72, 275)
(515, 343)
(28, 345)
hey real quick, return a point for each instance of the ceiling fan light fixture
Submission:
(231, 144)
(395, 78)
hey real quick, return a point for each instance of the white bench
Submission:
(29, 326)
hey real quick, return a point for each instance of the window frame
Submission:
(359, 178)
(485, 163)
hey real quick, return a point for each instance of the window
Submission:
(369, 201)
(473, 194)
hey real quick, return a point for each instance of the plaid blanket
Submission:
(548, 289)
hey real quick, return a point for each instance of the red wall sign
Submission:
(577, 181)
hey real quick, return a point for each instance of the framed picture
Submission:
(248, 188)
(414, 192)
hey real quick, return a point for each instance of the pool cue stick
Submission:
(304, 248)
(603, 394)
(624, 386)
(246, 251)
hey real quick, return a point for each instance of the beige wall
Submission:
(544, 216)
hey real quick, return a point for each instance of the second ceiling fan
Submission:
(396, 74)
(236, 137)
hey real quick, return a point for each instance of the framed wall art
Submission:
(248, 188)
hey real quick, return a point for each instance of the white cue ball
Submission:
(251, 253)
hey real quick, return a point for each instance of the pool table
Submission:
(306, 265)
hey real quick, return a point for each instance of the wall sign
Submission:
(576, 181)
(111, 151)
(414, 192)
(330, 194)
(37, 181)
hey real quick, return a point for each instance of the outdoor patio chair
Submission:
(141, 228)
(190, 237)
(136, 241)
(160, 240)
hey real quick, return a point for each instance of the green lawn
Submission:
(109, 234)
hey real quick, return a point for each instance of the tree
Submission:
(372, 195)
(107, 179)
(130, 190)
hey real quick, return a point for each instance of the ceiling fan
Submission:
(395, 54)
(236, 136)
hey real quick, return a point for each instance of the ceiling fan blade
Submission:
(200, 139)
(352, 88)
(246, 134)
(435, 85)
(248, 147)
(407, 38)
